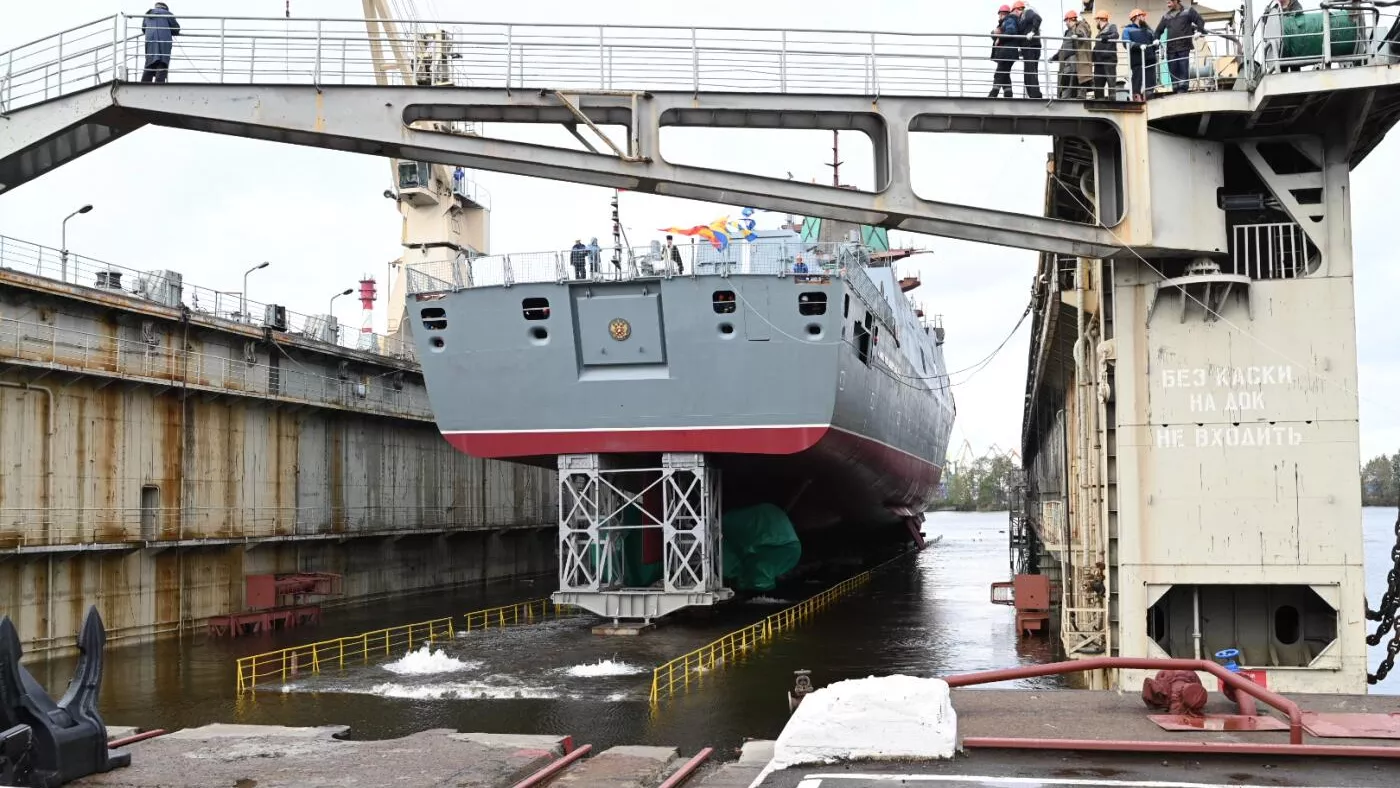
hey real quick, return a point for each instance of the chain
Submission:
(1390, 602)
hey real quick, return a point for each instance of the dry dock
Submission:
(162, 447)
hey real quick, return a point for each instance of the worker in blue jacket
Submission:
(1142, 54)
(159, 27)
(1006, 50)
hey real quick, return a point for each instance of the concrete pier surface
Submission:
(278, 757)
(283, 757)
(1111, 716)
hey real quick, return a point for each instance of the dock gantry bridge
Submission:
(1190, 428)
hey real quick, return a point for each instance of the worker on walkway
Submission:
(1180, 25)
(1105, 56)
(1075, 58)
(1005, 51)
(1028, 25)
(159, 27)
(578, 258)
(1142, 54)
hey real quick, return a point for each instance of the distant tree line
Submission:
(984, 485)
(1380, 481)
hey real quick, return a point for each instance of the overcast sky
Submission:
(210, 206)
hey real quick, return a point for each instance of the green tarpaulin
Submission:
(760, 545)
(635, 572)
(1302, 34)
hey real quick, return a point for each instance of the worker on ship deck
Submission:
(578, 258)
(1181, 25)
(159, 27)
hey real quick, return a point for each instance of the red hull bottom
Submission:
(825, 475)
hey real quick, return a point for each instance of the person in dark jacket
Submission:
(1075, 58)
(1142, 54)
(1028, 25)
(1180, 24)
(159, 27)
(1005, 51)
(578, 258)
(1105, 56)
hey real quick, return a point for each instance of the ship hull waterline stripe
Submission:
(773, 429)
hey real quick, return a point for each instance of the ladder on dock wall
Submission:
(1087, 627)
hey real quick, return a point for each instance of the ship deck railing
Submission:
(571, 57)
(765, 257)
(169, 289)
(778, 258)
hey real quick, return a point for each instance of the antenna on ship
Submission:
(836, 162)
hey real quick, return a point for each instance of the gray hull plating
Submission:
(824, 394)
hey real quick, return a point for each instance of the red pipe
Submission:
(1195, 747)
(547, 773)
(1240, 683)
(115, 743)
(688, 769)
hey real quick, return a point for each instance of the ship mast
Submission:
(445, 214)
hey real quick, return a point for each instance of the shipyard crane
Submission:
(446, 216)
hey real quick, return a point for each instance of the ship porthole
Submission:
(726, 330)
(539, 335)
(814, 331)
(437, 344)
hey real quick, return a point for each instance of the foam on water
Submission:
(426, 662)
(604, 667)
(766, 600)
(463, 690)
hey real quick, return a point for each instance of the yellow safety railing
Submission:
(287, 663)
(679, 673)
(527, 612)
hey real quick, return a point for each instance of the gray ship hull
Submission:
(828, 400)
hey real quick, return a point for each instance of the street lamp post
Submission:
(243, 297)
(63, 244)
(346, 291)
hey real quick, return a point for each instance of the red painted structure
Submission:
(1031, 596)
(278, 602)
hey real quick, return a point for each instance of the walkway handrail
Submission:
(676, 673)
(288, 662)
(172, 291)
(1234, 680)
(337, 51)
(516, 614)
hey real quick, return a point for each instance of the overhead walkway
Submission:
(316, 82)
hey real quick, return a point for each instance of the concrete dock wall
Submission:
(153, 457)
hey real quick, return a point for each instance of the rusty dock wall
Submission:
(154, 456)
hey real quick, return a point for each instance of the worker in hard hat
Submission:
(1142, 54)
(1005, 51)
(1105, 55)
(1076, 58)
(1180, 24)
(1028, 25)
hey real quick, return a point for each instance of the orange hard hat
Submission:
(1137, 12)
(1100, 14)
(1006, 9)
(1019, 4)
(1071, 14)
